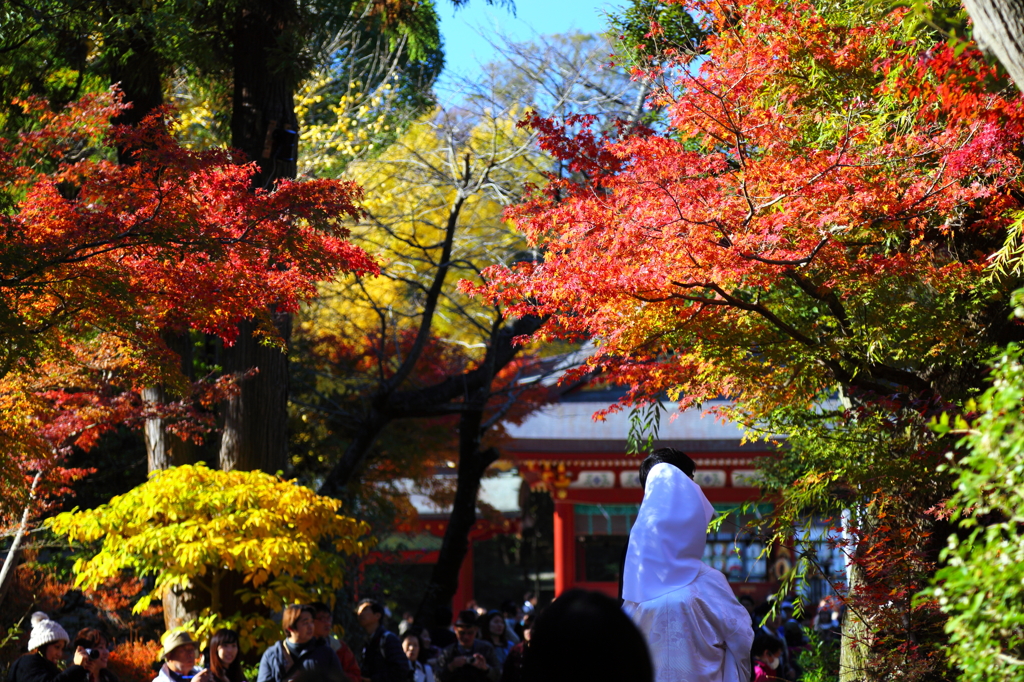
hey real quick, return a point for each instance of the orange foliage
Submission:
(30, 590)
(135, 661)
(115, 600)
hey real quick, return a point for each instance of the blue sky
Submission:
(463, 30)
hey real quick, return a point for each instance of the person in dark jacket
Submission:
(322, 623)
(46, 647)
(284, 660)
(469, 659)
(512, 671)
(383, 658)
(584, 635)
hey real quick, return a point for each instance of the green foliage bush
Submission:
(981, 587)
(820, 662)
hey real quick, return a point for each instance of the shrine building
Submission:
(562, 450)
(581, 463)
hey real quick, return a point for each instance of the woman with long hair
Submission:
(225, 661)
(494, 631)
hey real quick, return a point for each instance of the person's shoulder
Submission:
(162, 675)
(16, 668)
(482, 645)
(34, 662)
(711, 579)
(324, 651)
(273, 651)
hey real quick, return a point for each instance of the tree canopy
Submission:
(189, 527)
(808, 234)
(99, 257)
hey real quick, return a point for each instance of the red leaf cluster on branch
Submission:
(98, 258)
(817, 211)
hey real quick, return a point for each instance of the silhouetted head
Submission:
(676, 458)
(584, 635)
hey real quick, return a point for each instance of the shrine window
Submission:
(603, 529)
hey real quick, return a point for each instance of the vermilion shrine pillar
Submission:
(565, 546)
(464, 593)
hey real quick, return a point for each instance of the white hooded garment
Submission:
(696, 629)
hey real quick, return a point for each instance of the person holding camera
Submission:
(468, 659)
(46, 649)
(97, 648)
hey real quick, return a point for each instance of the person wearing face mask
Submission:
(46, 649)
(299, 651)
(695, 628)
(767, 655)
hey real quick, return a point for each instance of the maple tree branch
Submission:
(426, 401)
(798, 262)
(855, 380)
(433, 294)
(885, 372)
(730, 300)
(901, 377)
(830, 299)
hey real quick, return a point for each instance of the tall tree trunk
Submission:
(10, 562)
(256, 420)
(854, 646)
(263, 121)
(137, 69)
(999, 29)
(164, 449)
(444, 580)
(135, 65)
(264, 126)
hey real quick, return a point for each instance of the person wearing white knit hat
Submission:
(46, 648)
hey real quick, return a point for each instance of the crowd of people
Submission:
(581, 635)
(677, 620)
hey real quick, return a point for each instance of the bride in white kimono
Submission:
(696, 629)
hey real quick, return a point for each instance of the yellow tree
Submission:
(221, 539)
(411, 344)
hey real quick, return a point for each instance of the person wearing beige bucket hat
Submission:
(179, 657)
(46, 649)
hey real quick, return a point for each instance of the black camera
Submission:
(92, 653)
